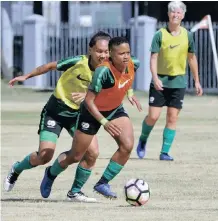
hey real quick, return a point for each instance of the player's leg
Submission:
(125, 145)
(83, 173)
(85, 166)
(156, 102)
(49, 131)
(87, 128)
(169, 133)
(79, 147)
(48, 138)
(174, 103)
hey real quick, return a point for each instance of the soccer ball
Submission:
(137, 192)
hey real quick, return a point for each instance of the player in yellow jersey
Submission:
(103, 106)
(61, 111)
(171, 47)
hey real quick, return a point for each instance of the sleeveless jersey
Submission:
(111, 98)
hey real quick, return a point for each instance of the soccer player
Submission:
(61, 111)
(103, 106)
(171, 47)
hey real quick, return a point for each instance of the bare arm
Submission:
(89, 100)
(42, 69)
(109, 126)
(153, 67)
(37, 71)
(133, 99)
(193, 63)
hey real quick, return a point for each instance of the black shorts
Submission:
(170, 97)
(89, 125)
(55, 116)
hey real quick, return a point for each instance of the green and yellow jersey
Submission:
(172, 56)
(106, 79)
(76, 77)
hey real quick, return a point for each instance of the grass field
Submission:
(183, 190)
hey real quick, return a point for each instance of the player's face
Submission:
(176, 16)
(120, 54)
(99, 52)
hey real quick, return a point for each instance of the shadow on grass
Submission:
(27, 200)
(168, 209)
(132, 158)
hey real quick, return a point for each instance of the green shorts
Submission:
(54, 117)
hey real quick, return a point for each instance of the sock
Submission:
(146, 130)
(82, 175)
(110, 172)
(56, 168)
(168, 137)
(23, 165)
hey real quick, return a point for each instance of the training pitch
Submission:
(183, 190)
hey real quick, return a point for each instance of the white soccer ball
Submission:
(137, 192)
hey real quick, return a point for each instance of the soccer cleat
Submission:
(46, 184)
(10, 180)
(105, 190)
(141, 149)
(80, 197)
(165, 156)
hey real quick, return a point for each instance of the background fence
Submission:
(67, 40)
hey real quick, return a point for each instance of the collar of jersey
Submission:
(168, 30)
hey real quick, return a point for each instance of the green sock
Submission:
(168, 137)
(82, 175)
(23, 165)
(146, 130)
(110, 172)
(56, 168)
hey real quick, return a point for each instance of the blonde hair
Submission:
(176, 4)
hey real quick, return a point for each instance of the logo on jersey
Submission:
(51, 123)
(151, 100)
(81, 79)
(85, 125)
(123, 84)
(173, 46)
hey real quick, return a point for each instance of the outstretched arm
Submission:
(37, 71)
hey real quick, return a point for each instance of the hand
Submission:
(17, 79)
(112, 129)
(134, 101)
(78, 97)
(158, 85)
(198, 89)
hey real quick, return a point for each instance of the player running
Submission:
(61, 111)
(103, 106)
(171, 47)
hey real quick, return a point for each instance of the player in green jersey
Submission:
(61, 111)
(171, 47)
(103, 106)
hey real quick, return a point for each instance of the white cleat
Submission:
(10, 180)
(80, 197)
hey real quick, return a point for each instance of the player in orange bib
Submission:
(103, 106)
